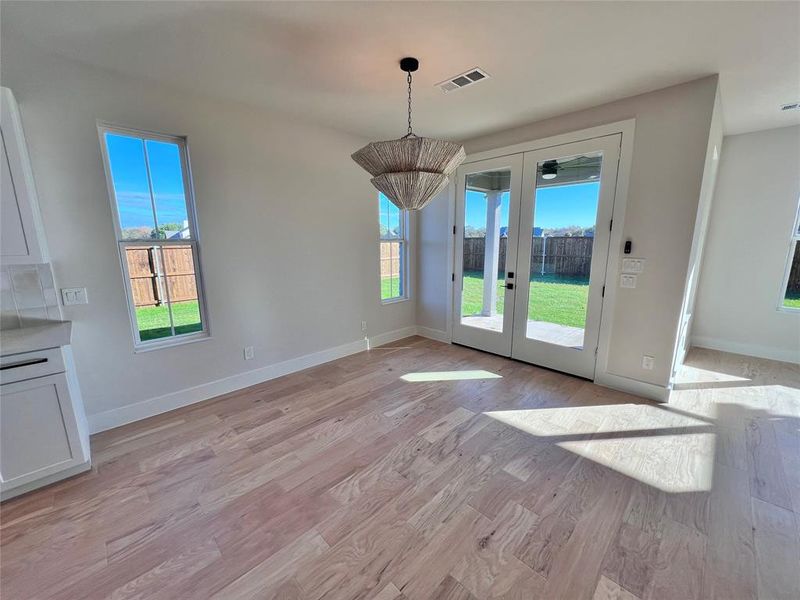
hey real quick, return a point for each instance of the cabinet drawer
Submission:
(17, 367)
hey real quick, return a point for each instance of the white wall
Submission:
(288, 228)
(755, 204)
(710, 170)
(672, 133)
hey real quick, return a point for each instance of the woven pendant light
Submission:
(411, 170)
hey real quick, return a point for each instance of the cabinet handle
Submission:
(23, 363)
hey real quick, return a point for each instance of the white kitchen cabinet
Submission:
(43, 432)
(21, 235)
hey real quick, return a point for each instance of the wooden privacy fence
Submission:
(562, 255)
(151, 269)
(390, 259)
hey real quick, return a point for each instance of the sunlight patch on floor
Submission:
(669, 451)
(689, 374)
(579, 420)
(449, 376)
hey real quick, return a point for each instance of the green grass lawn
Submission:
(153, 321)
(791, 301)
(390, 287)
(554, 299)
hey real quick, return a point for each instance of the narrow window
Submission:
(790, 298)
(154, 219)
(393, 246)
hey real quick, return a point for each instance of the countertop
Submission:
(28, 339)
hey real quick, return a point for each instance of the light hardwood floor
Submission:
(424, 470)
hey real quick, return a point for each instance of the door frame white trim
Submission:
(627, 129)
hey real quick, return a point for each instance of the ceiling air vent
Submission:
(459, 81)
(791, 106)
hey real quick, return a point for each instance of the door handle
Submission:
(509, 286)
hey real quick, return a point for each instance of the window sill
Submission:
(788, 309)
(172, 342)
(395, 300)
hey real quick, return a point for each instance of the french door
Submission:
(532, 243)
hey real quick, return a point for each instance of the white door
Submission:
(565, 229)
(488, 196)
(531, 247)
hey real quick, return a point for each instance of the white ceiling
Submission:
(337, 61)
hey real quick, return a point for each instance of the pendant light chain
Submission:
(410, 132)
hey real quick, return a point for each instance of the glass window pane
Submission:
(164, 289)
(792, 297)
(485, 243)
(178, 263)
(131, 188)
(389, 219)
(166, 176)
(564, 219)
(391, 285)
(149, 293)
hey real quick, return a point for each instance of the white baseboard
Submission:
(161, 404)
(633, 386)
(768, 352)
(433, 334)
(392, 336)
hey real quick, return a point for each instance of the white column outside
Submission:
(491, 254)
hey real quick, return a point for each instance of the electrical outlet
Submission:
(627, 281)
(648, 362)
(72, 296)
(363, 325)
(249, 353)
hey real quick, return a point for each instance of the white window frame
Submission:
(403, 240)
(794, 239)
(194, 241)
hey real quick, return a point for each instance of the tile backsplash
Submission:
(27, 295)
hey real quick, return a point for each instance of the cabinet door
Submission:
(12, 233)
(21, 234)
(38, 434)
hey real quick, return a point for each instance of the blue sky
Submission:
(389, 214)
(129, 174)
(560, 206)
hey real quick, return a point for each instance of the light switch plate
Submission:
(627, 281)
(73, 296)
(632, 265)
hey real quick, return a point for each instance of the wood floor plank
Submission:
(767, 478)
(610, 590)
(777, 551)
(682, 551)
(489, 568)
(276, 569)
(450, 589)
(730, 560)
(347, 481)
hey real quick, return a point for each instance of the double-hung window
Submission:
(790, 296)
(393, 251)
(150, 188)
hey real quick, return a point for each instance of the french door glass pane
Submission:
(564, 219)
(164, 289)
(486, 201)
